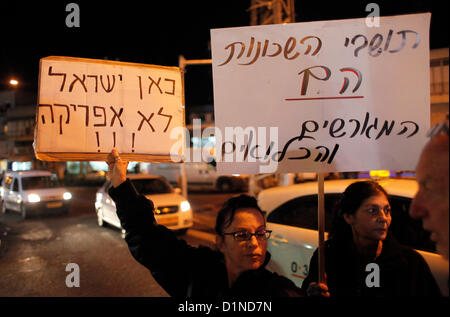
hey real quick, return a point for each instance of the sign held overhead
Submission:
(328, 96)
(88, 107)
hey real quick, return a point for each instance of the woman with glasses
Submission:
(362, 258)
(237, 268)
(241, 237)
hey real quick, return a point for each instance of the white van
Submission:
(33, 193)
(201, 176)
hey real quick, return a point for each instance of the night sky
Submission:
(157, 32)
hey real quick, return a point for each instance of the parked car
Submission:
(95, 177)
(291, 214)
(201, 176)
(34, 193)
(171, 208)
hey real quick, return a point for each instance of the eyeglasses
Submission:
(246, 236)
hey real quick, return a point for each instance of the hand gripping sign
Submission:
(88, 107)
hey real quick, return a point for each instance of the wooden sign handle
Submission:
(321, 226)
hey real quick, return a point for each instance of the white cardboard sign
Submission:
(87, 107)
(339, 95)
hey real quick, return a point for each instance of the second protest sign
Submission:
(321, 96)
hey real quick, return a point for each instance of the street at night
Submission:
(303, 144)
(35, 252)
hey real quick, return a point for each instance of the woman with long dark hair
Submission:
(362, 258)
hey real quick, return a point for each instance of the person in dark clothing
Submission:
(237, 268)
(360, 237)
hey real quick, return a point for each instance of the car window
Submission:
(406, 230)
(302, 212)
(38, 182)
(149, 186)
(15, 186)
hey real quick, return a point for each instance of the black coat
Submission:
(183, 270)
(402, 271)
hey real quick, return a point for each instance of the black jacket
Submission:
(183, 270)
(402, 271)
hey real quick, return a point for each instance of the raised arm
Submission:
(152, 245)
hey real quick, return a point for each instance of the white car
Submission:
(291, 214)
(171, 208)
(33, 193)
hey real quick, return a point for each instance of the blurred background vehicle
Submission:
(171, 208)
(34, 193)
(201, 176)
(95, 177)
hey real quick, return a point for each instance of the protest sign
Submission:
(87, 107)
(321, 96)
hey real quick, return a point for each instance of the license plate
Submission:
(54, 205)
(168, 220)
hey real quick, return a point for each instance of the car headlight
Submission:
(185, 206)
(34, 198)
(67, 196)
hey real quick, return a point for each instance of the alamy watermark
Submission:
(73, 18)
(373, 278)
(235, 144)
(73, 278)
(373, 19)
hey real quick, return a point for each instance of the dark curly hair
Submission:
(226, 213)
(353, 197)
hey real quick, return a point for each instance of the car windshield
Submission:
(38, 182)
(151, 186)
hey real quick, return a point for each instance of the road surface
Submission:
(35, 253)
